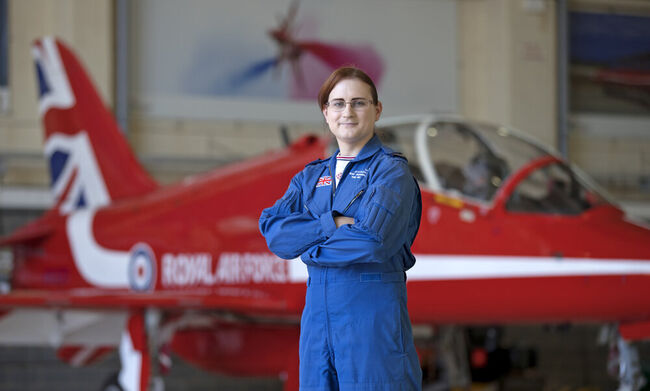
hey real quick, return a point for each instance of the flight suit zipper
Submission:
(308, 210)
(352, 202)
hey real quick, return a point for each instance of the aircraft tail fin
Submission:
(90, 162)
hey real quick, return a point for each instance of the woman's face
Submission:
(352, 128)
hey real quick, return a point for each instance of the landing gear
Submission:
(444, 359)
(152, 318)
(112, 384)
(139, 339)
(623, 362)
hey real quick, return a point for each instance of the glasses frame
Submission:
(351, 103)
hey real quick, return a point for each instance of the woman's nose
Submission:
(347, 110)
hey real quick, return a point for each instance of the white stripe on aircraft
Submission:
(452, 267)
(97, 265)
(441, 267)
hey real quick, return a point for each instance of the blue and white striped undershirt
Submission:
(341, 163)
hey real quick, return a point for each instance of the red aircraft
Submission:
(510, 233)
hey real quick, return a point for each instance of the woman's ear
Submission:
(378, 108)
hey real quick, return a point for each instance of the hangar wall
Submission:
(486, 91)
(86, 26)
(506, 73)
(614, 147)
(507, 62)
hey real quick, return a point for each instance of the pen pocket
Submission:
(382, 205)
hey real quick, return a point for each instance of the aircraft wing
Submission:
(100, 299)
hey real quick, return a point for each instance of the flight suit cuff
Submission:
(328, 224)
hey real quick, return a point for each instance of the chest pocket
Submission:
(352, 196)
(317, 195)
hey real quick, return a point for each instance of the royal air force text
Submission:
(182, 270)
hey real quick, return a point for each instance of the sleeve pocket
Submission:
(289, 202)
(382, 205)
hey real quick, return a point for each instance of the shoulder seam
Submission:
(316, 162)
(397, 156)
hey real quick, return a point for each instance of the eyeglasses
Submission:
(357, 104)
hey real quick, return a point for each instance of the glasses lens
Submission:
(359, 104)
(337, 105)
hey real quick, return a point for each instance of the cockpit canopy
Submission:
(475, 161)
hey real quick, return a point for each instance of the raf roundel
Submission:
(142, 268)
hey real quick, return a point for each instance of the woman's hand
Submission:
(342, 220)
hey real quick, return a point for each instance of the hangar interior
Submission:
(500, 61)
(505, 71)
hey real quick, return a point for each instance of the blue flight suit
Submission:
(355, 330)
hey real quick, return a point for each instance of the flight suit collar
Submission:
(372, 146)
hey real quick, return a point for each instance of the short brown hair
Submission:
(343, 73)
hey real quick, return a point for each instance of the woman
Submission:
(352, 219)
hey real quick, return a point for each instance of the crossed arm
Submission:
(291, 230)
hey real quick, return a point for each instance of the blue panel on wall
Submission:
(610, 39)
